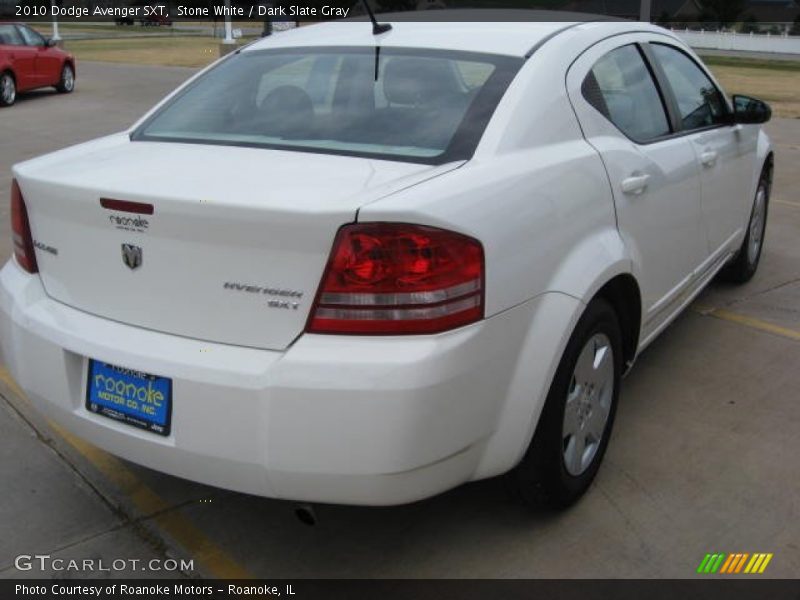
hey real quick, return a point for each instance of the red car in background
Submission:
(28, 61)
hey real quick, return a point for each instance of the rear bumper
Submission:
(353, 420)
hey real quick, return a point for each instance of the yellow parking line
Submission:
(6, 378)
(199, 546)
(753, 323)
(785, 203)
(146, 501)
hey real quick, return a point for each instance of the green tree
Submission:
(397, 5)
(795, 30)
(750, 24)
(664, 19)
(723, 12)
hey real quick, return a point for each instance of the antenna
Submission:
(377, 28)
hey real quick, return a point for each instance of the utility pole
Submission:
(56, 37)
(228, 31)
(644, 12)
(228, 44)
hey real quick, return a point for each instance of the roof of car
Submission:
(509, 32)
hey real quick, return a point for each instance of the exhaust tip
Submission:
(305, 513)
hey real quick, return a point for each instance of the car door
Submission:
(47, 64)
(21, 57)
(653, 173)
(724, 151)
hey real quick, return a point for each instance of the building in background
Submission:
(629, 9)
(776, 16)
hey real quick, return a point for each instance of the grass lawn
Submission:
(46, 29)
(775, 81)
(173, 51)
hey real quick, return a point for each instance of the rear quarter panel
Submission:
(537, 196)
(51, 61)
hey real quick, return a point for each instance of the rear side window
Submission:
(9, 36)
(699, 101)
(621, 87)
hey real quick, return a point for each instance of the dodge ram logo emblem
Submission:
(132, 256)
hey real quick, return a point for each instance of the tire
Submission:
(8, 89)
(66, 84)
(744, 264)
(554, 473)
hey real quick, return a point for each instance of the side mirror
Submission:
(750, 111)
(50, 43)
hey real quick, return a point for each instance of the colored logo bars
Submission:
(732, 564)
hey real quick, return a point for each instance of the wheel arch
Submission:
(623, 294)
(769, 167)
(605, 266)
(764, 158)
(552, 323)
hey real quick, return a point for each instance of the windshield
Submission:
(400, 104)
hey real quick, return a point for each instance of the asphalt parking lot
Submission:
(704, 456)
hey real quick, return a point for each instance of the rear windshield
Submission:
(399, 104)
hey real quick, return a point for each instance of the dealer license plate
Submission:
(131, 397)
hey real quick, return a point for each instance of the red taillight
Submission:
(391, 278)
(21, 231)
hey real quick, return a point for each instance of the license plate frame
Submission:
(128, 396)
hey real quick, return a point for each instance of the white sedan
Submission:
(356, 268)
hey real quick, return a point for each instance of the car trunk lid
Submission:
(234, 248)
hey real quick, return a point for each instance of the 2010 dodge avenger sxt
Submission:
(368, 268)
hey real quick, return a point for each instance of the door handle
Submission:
(709, 158)
(636, 184)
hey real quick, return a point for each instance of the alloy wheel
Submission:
(8, 90)
(68, 79)
(588, 404)
(757, 224)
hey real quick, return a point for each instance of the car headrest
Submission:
(285, 100)
(286, 110)
(418, 81)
